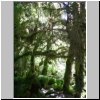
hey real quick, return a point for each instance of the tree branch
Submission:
(50, 53)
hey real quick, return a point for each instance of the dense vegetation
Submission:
(49, 50)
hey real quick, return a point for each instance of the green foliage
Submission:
(47, 82)
(58, 85)
(41, 38)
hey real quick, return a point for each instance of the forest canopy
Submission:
(49, 50)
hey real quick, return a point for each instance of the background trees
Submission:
(46, 33)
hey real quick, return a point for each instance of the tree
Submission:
(76, 50)
(41, 32)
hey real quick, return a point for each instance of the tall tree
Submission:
(80, 53)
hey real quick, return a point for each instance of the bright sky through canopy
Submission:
(43, 18)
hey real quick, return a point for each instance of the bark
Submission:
(44, 71)
(32, 64)
(67, 76)
(79, 76)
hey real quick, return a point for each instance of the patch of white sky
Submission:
(43, 18)
(61, 5)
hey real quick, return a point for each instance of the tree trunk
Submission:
(32, 64)
(44, 71)
(79, 76)
(45, 68)
(67, 76)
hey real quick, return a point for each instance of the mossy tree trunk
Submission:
(79, 75)
(80, 53)
(32, 64)
(45, 68)
(67, 76)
